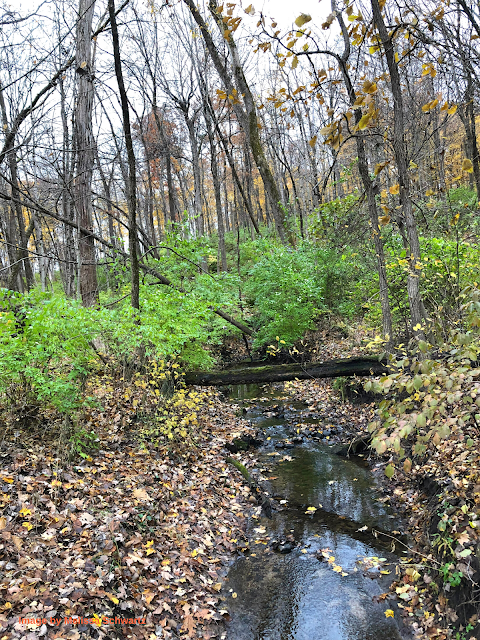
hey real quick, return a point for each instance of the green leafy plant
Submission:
(451, 577)
(84, 443)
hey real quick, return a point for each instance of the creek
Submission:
(315, 570)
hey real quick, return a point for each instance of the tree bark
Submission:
(399, 146)
(132, 176)
(282, 372)
(368, 185)
(85, 153)
(246, 115)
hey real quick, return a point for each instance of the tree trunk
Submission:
(370, 188)
(246, 115)
(413, 280)
(132, 176)
(222, 253)
(85, 153)
(21, 258)
(278, 373)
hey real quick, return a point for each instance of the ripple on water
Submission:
(299, 596)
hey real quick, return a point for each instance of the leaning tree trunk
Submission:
(368, 185)
(246, 114)
(85, 155)
(413, 280)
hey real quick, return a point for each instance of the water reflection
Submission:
(299, 596)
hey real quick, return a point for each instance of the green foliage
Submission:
(448, 265)
(451, 577)
(289, 289)
(332, 216)
(49, 344)
(84, 443)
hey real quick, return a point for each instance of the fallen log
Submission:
(366, 366)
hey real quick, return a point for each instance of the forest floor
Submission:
(128, 543)
(134, 541)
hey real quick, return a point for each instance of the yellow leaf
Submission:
(384, 193)
(379, 167)
(389, 613)
(112, 598)
(27, 525)
(25, 512)
(8, 480)
(467, 165)
(383, 220)
(365, 119)
(369, 86)
(313, 141)
(295, 62)
(374, 48)
(326, 130)
(302, 19)
(250, 10)
(217, 586)
(452, 109)
(396, 56)
(394, 189)
(429, 192)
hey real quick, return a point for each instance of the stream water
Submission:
(311, 574)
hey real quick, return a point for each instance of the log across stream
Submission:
(316, 569)
(259, 373)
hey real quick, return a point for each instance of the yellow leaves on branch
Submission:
(302, 19)
(429, 69)
(364, 121)
(370, 87)
(380, 166)
(430, 106)
(328, 22)
(467, 165)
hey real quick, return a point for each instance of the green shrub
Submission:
(289, 289)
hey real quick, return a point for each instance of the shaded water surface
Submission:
(319, 591)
